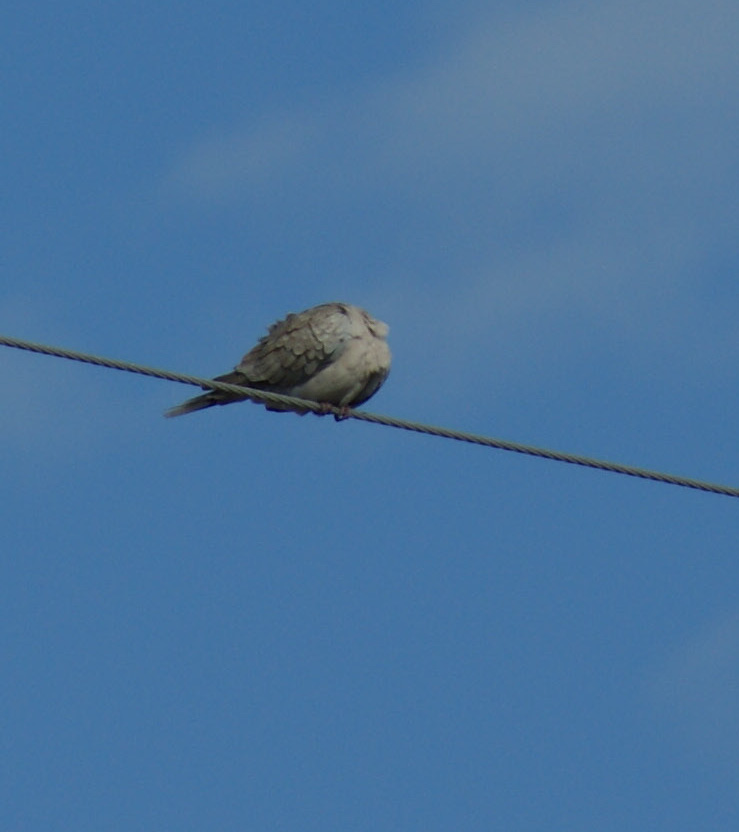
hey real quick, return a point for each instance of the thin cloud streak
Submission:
(534, 89)
(696, 688)
(608, 123)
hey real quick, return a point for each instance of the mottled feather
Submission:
(334, 353)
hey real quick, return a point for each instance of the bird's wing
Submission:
(296, 348)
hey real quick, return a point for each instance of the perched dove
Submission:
(334, 353)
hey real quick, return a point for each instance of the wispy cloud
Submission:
(569, 157)
(698, 689)
(222, 165)
(534, 87)
(58, 409)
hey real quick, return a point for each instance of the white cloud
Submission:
(221, 165)
(698, 688)
(58, 409)
(532, 87)
(600, 136)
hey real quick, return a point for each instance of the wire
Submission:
(363, 416)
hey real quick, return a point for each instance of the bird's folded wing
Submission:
(296, 348)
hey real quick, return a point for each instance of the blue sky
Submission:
(246, 620)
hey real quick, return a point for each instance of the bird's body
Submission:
(334, 354)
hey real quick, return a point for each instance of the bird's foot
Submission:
(339, 414)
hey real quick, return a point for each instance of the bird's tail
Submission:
(209, 399)
(191, 405)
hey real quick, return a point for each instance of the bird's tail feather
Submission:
(210, 398)
(191, 405)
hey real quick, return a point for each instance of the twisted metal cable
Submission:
(363, 416)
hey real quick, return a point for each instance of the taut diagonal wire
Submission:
(361, 415)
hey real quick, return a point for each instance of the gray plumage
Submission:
(334, 353)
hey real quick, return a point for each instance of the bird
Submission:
(332, 354)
